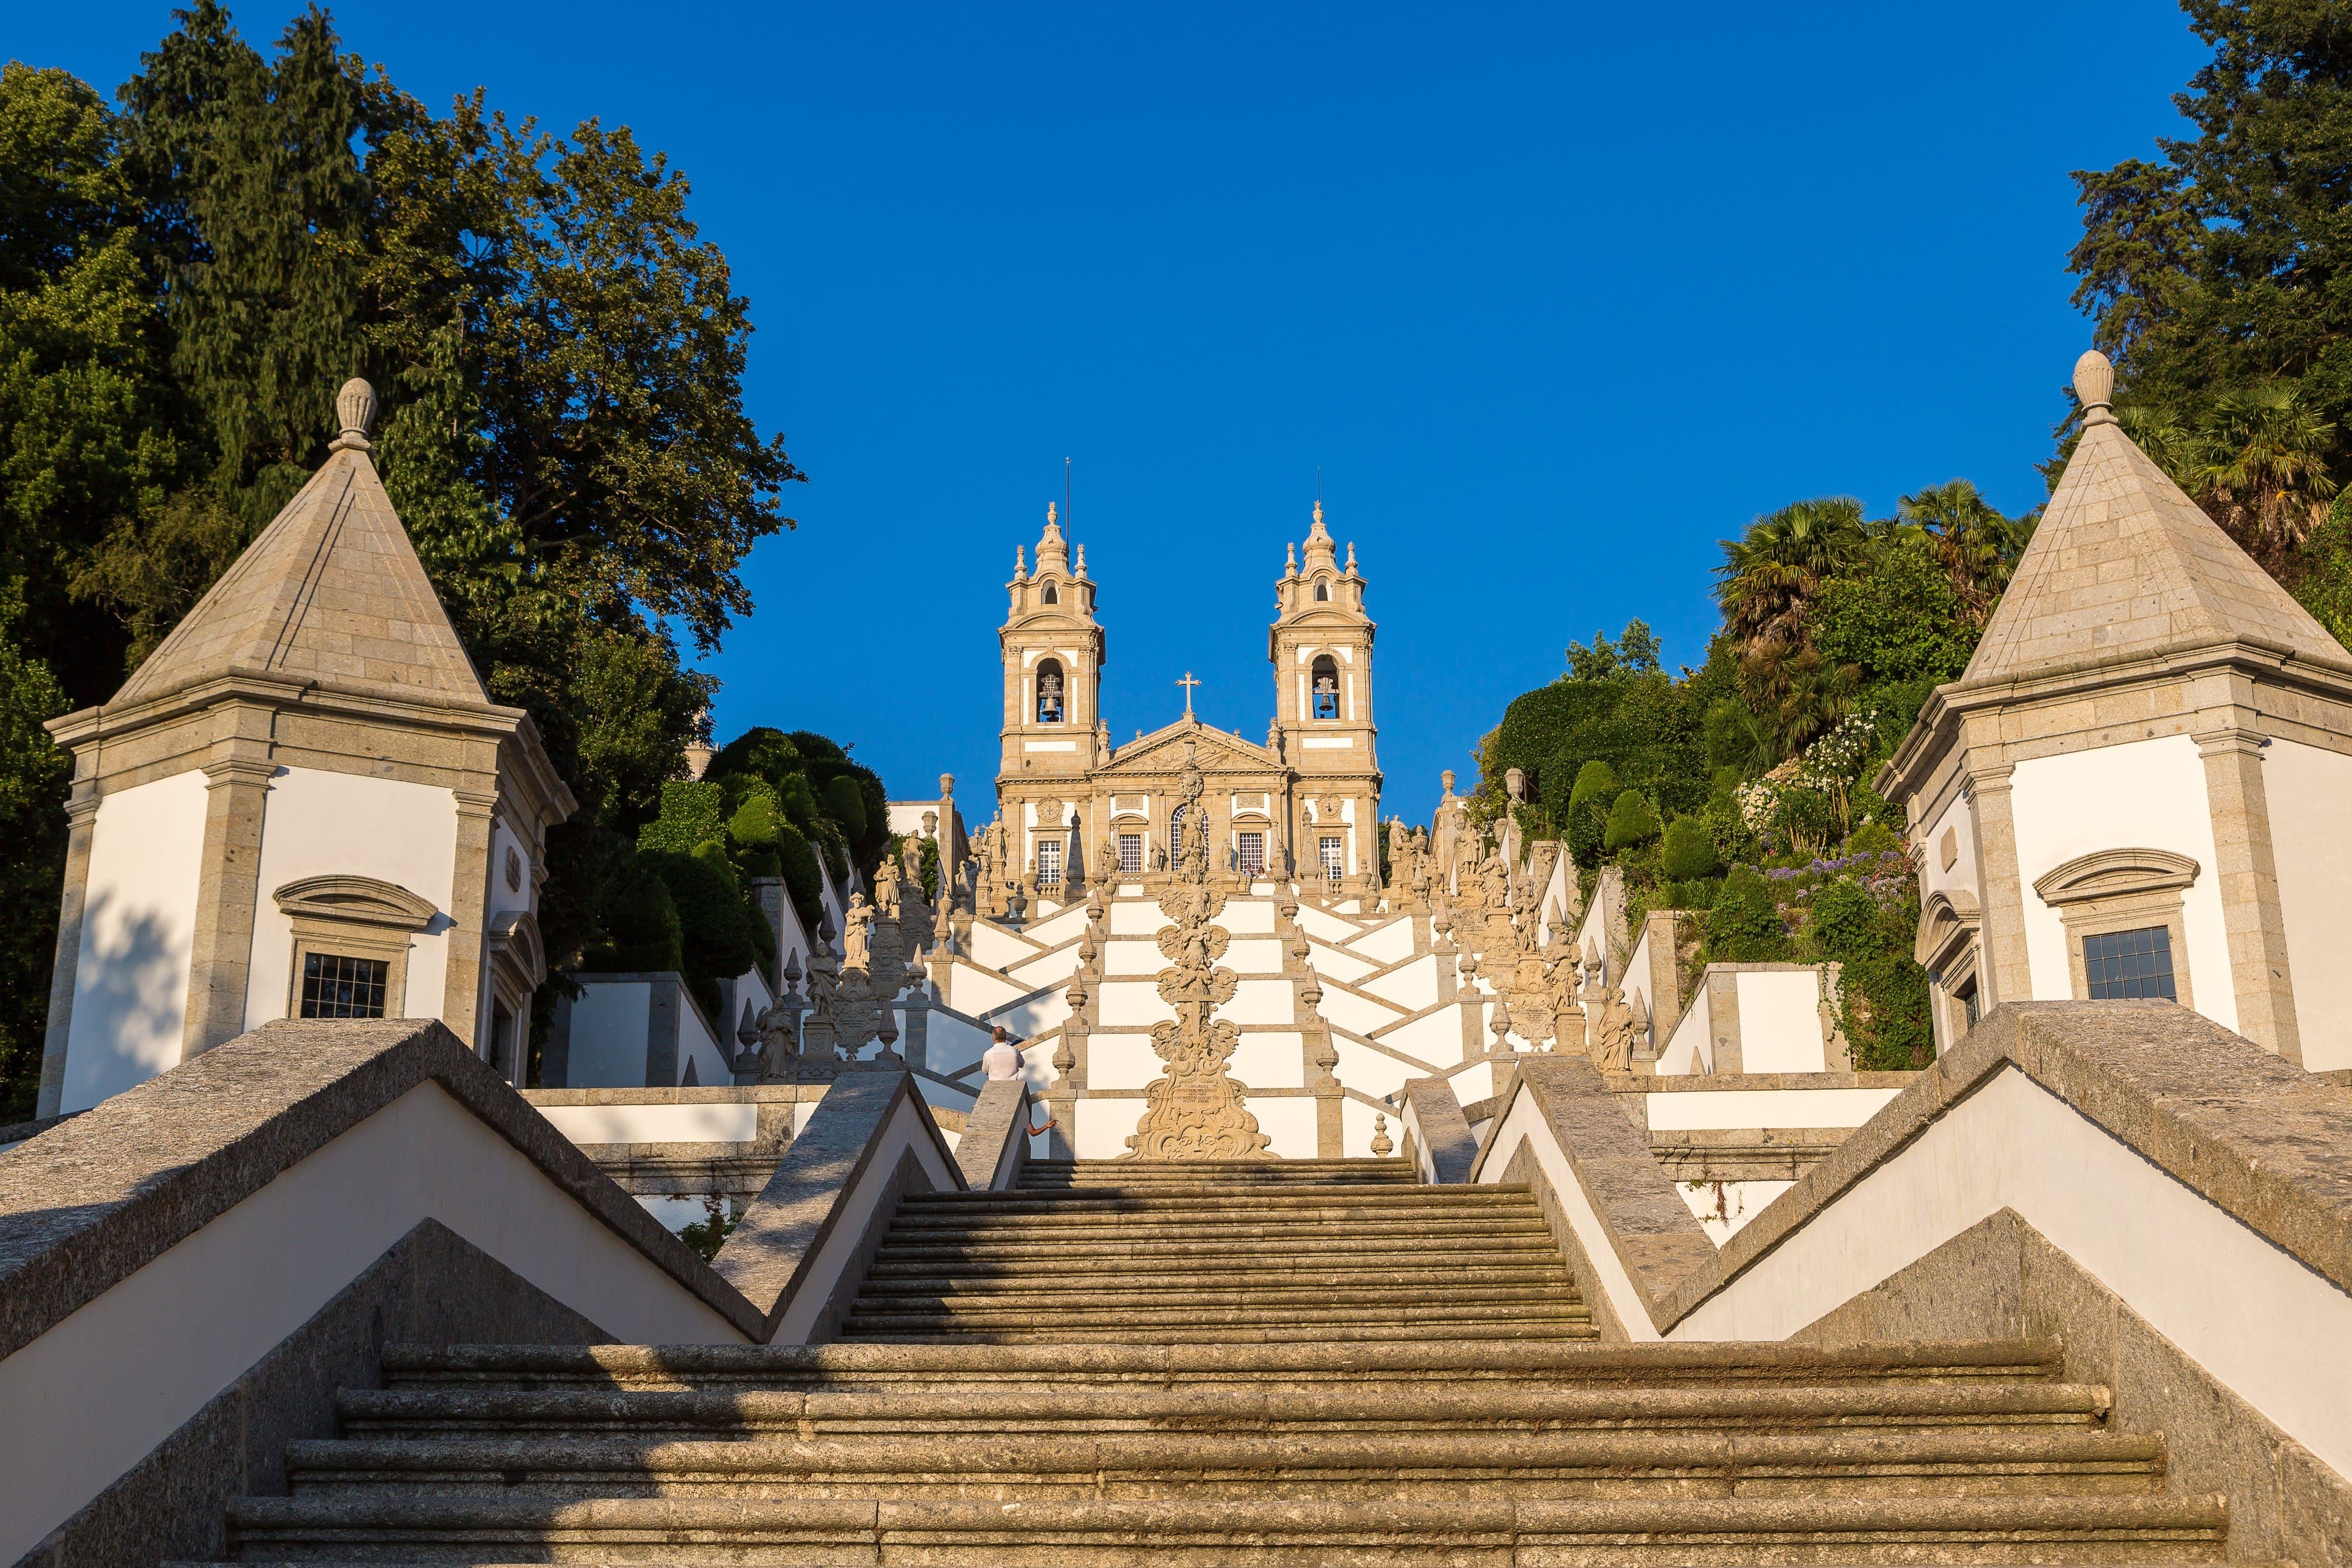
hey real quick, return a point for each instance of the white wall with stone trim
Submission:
(315, 823)
(2140, 794)
(138, 931)
(2309, 790)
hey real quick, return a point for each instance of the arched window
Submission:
(1053, 594)
(1175, 835)
(1322, 590)
(1326, 688)
(1049, 692)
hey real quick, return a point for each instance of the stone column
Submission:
(461, 990)
(2251, 915)
(81, 825)
(2004, 974)
(228, 886)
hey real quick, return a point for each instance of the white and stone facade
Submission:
(308, 766)
(2146, 755)
(1075, 810)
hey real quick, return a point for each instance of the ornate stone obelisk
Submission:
(1195, 1111)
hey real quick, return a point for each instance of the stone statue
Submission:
(1445, 831)
(1159, 858)
(910, 857)
(857, 933)
(886, 889)
(1612, 1035)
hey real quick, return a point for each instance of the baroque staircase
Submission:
(1263, 1363)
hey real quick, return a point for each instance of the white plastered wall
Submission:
(1780, 1021)
(91, 1396)
(139, 922)
(2141, 794)
(315, 823)
(2307, 789)
(1958, 818)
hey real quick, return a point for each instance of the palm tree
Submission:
(1976, 542)
(1771, 572)
(2261, 467)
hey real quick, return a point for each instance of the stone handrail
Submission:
(800, 1250)
(2171, 1201)
(1628, 1236)
(1436, 1134)
(189, 1269)
(995, 1139)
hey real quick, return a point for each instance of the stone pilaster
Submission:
(2005, 974)
(81, 824)
(229, 887)
(2259, 977)
(469, 883)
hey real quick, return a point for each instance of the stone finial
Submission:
(1080, 572)
(1352, 556)
(2094, 384)
(947, 785)
(1290, 559)
(1514, 784)
(1446, 781)
(355, 408)
(1020, 562)
(1381, 1146)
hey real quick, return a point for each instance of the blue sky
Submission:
(1555, 297)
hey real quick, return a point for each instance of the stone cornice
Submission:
(370, 704)
(1938, 727)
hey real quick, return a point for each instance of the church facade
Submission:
(1076, 811)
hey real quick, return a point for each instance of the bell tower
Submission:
(1321, 648)
(1054, 655)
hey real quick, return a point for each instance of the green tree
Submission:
(33, 773)
(1771, 570)
(1688, 851)
(1633, 822)
(1883, 992)
(90, 424)
(1588, 810)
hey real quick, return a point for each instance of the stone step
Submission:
(1273, 1306)
(1432, 1466)
(1417, 1204)
(1306, 1251)
(1630, 1368)
(1400, 1196)
(1150, 1293)
(1345, 1170)
(1690, 1533)
(945, 1329)
(1364, 1233)
(984, 1278)
(1391, 1405)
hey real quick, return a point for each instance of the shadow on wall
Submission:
(130, 1001)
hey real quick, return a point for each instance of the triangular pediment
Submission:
(1213, 751)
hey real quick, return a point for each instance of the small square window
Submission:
(1332, 849)
(1130, 853)
(335, 986)
(2129, 964)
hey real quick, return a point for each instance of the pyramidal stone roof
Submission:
(2125, 565)
(331, 591)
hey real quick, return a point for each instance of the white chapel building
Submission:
(2139, 785)
(303, 805)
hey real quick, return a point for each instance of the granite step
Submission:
(899, 1278)
(1728, 1366)
(1433, 1403)
(1432, 1467)
(1690, 1533)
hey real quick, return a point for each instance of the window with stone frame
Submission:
(336, 986)
(1050, 705)
(1251, 847)
(1175, 835)
(1324, 686)
(2129, 964)
(1049, 864)
(1130, 853)
(1331, 849)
